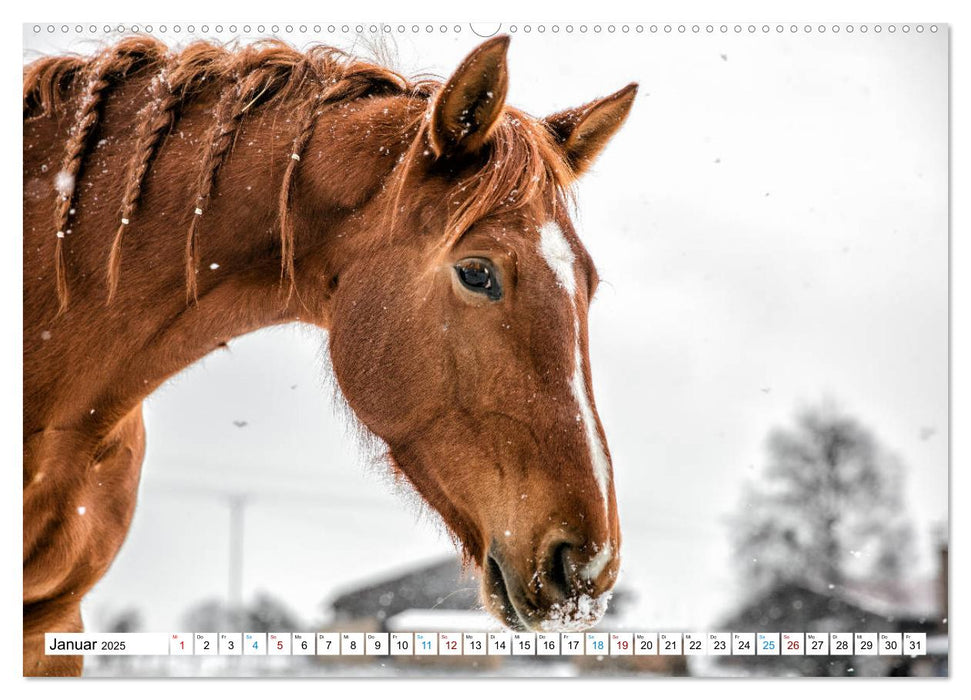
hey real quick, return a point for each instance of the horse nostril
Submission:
(562, 569)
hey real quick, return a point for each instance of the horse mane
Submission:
(522, 159)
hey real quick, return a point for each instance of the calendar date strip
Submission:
(488, 644)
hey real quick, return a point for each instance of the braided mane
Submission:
(522, 161)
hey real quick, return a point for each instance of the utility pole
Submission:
(234, 592)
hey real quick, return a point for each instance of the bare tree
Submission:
(828, 507)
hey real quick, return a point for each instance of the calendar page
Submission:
(448, 349)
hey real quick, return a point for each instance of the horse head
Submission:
(459, 336)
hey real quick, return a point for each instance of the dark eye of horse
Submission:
(478, 275)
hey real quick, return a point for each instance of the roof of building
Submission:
(443, 621)
(440, 585)
(910, 599)
(855, 604)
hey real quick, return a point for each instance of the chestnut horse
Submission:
(174, 201)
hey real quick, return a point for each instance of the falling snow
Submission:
(64, 184)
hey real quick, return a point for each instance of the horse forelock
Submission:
(523, 164)
(520, 164)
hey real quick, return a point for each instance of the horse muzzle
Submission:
(567, 592)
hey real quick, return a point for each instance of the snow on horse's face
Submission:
(459, 337)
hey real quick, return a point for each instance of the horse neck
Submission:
(95, 362)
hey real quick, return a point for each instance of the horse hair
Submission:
(158, 117)
(176, 78)
(110, 65)
(522, 158)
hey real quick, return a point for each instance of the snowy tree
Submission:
(213, 615)
(268, 614)
(128, 620)
(829, 508)
(265, 614)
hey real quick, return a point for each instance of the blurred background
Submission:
(770, 362)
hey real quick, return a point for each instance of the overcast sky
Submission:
(771, 229)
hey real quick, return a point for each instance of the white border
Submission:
(842, 11)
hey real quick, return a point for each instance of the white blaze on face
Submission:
(559, 256)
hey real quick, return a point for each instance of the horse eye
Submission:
(479, 276)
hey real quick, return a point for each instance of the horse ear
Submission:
(583, 132)
(470, 102)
